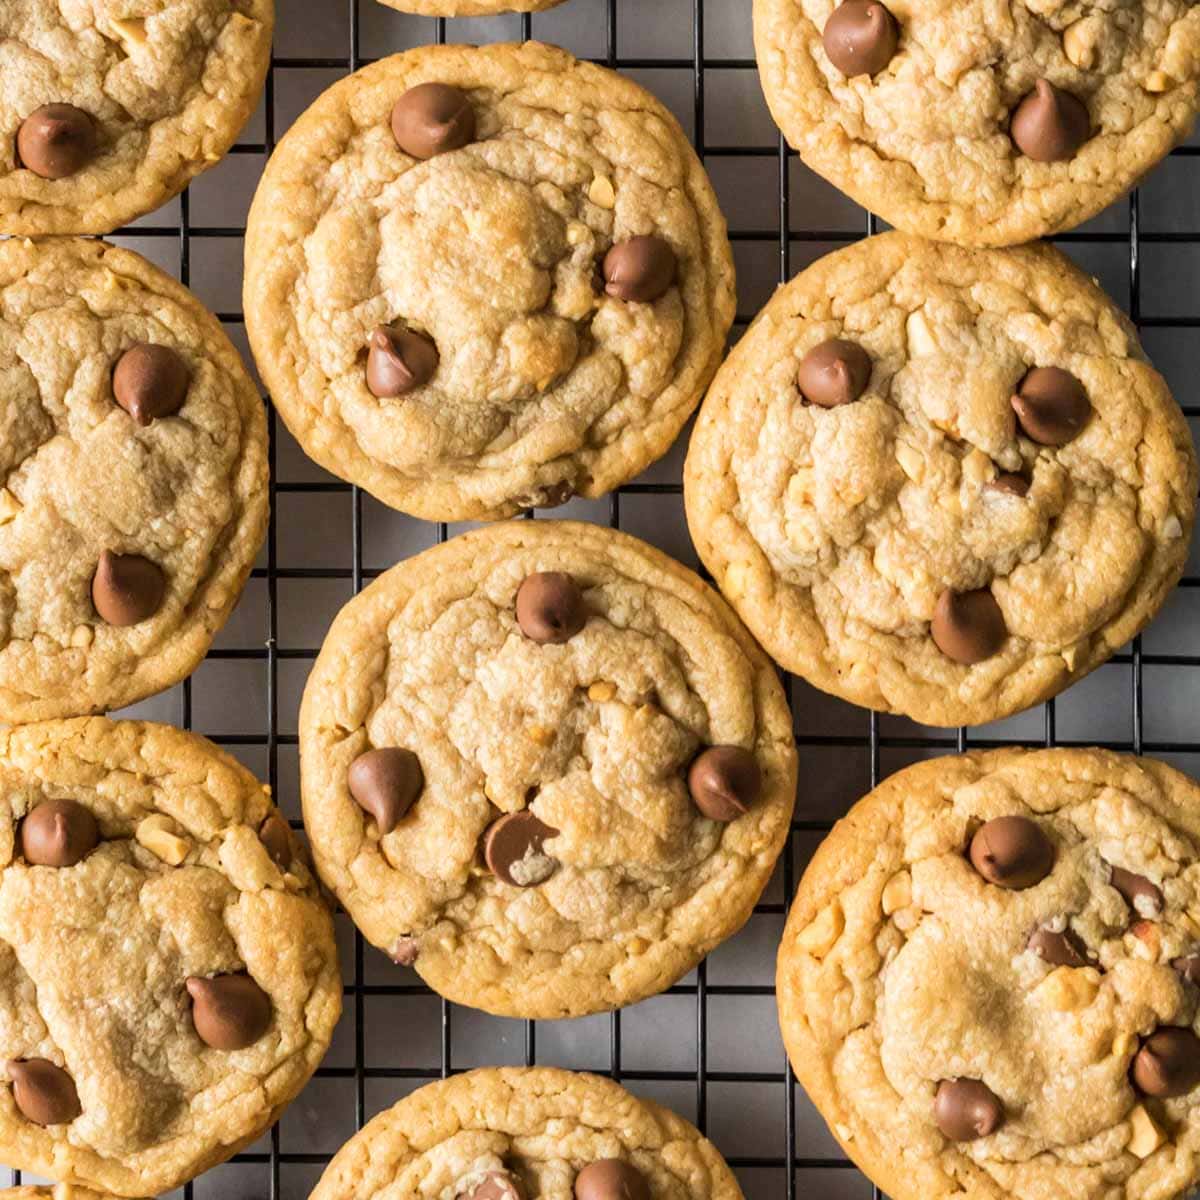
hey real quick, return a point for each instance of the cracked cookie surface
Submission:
(80, 476)
(540, 1125)
(593, 735)
(545, 385)
(925, 141)
(902, 966)
(836, 531)
(95, 957)
(167, 85)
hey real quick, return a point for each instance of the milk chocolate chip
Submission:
(276, 835)
(1010, 484)
(127, 588)
(860, 38)
(1063, 949)
(56, 140)
(230, 1012)
(405, 951)
(399, 360)
(431, 119)
(1011, 852)
(966, 1109)
(513, 849)
(150, 382)
(834, 373)
(58, 833)
(550, 607)
(1050, 125)
(1140, 894)
(968, 627)
(724, 781)
(1051, 406)
(43, 1092)
(385, 783)
(1168, 1064)
(639, 269)
(495, 1185)
(611, 1179)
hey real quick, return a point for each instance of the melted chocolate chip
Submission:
(968, 627)
(150, 382)
(432, 119)
(639, 269)
(1051, 406)
(724, 781)
(399, 361)
(1140, 894)
(386, 783)
(127, 588)
(44, 1093)
(1168, 1063)
(611, 1179)
(513, 849)
(966, 1109)
(1059, 949)
(230, 1012)
(1050, 125)
(550, 607)
(405, 950)
(1010, 484)
(1012, 852)
(495, 1185)
(58, 833)
(834, 373)
(56, 140)
(860, 37)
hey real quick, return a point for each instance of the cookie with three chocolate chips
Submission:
(939, 481)
(168, 972)
(989, 982)
(546, 765)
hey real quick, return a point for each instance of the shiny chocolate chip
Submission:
(230, 1012)
(860, 37)
(834, 373)
(966, 1109)
(398, 361)
(1011, 852)
(550, 607)
(58, 833)
(724, 781)
(968, 627)
(611, 1179)
(1059, 949)
(127, 588)
(44, 1093)
(433, 118)
(513, 849)
(150, 382)
(494, 1185)
(56, 140)
(276, 836)
(1010, 484)
(1168, 1063)
(1051, 406)
(639, 269)
(1140, 894)
(385, 783)
(1049, 125)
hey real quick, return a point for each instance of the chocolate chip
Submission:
(1168, 1063)
(385, 783)
(495, 1185)
(127, 588)
(1010, 484)
(1049, 125)
(550, 496)
(1063, 949)
(724, 781)
(860, 38)
(432, 119)
(1051, 406)
(611, 1179)
(966, 1109)
(513, 849)
(276, 835)
(1140, 894)
(56, 140)
(58, 833)
(1012, 852)
(550, 607)
(1188, 967)
(150, 381)
(405, 950)
(43, 1092)
(230, 1012)
(834, 373)
(968, 627)
(398, 361)
(639, 269)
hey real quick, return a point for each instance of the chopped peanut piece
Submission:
(1067, 989)
(897, 892)
(1145, 1135)
(818, 937)
(602, 692)
(601, 192)
(736, 575)
(920, 336)
(157, 834)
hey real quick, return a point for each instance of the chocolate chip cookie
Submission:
(111, 107)
(545, 764)
(168, 975)
(133, 479)
(469, 8)
(484, 279)
(989, 982)
(518, 1132)
(941, 482)
(979, 123)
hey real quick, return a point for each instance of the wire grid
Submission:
(802, 1165)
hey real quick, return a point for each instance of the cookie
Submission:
(545, 764)
(484, 279)
(988, 983)
(168, 974)
(109, 109)
(469, 8)
(507, 1133)
(978, 123)
(941, 482)
(133, 479)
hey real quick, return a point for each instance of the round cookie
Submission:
(941, 482)
(582, 767)
(469, 8)
(111, 107)
(988, 983)
(524, 304)
(168, 974)
(511, 1132)
(976, 123)
(126, 531)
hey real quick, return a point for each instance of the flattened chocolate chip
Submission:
(432, 119)
(398, 361)
(724, 781)
(386, 783)
(230, 1012)
(276, 835)
(1012, 852)
(513, 849)
(966, 1109)
(1050, 125)
(405, 950)
(860, 38)
(56, 140)
(44, 1093)
(1188, 967)
(1010, 484)
(495, 1185)
(968, 627)
(611, 1179)
(550, 607)
(834, 373)
(639, 269)
(58, 833)
(1051, 406)
(1140, 894)
(1168, 1063)
(127, 588)
(1063, 949)
(150, 382)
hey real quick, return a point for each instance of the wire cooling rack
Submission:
(710, 1046)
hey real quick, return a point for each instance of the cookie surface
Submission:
(537, 1126)
(915, 124)
(905, 543)
(182, 499)
(158, 92)
(535, 383)
(902, 967)
(60, 1191)
(124, 915)
(593, 734)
